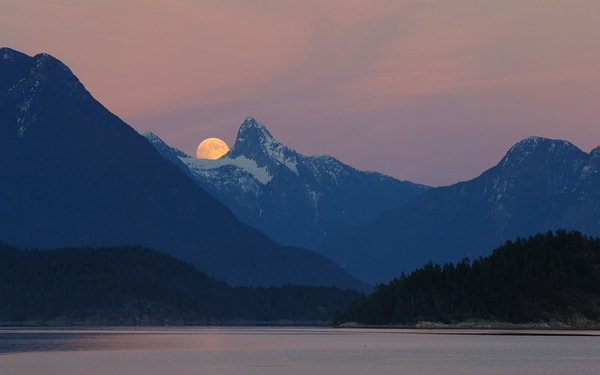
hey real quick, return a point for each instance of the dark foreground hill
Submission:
(136, 286)
(547, 277)
(73, 174)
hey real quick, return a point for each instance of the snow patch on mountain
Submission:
(255, 142)
(202, 166)
(280, 153)
(537, 147)
(295, 199)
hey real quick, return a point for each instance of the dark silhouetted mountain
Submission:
(295, 199)
(540, 185)
(74, 174)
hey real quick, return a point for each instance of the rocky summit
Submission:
(295, 199)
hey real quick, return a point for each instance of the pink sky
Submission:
(432, 91)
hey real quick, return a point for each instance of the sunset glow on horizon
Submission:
(429, 91)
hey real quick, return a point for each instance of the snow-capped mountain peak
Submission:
(529, 165)
(255, 142)
(251, 127)
(250, 135)
(532, 147)
(296, 199)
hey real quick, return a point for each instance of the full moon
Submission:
(211, 148)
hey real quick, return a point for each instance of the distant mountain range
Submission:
(295, 199)
(74, 174)
(541, 184)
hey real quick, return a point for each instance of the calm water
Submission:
(293, 351)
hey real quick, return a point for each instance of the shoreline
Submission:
(395, 330)
(483, 327)
(448, 329)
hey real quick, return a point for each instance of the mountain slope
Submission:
(540, 184)
(295, 199)
(73, 174)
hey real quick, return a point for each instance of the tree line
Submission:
(547, 276)
(133, 285)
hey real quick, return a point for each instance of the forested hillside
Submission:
(137, 286)
(551, 276)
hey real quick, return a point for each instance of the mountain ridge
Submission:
(540, 184)
(295, 199)
(77, 175)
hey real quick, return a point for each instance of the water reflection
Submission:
(295, 351)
